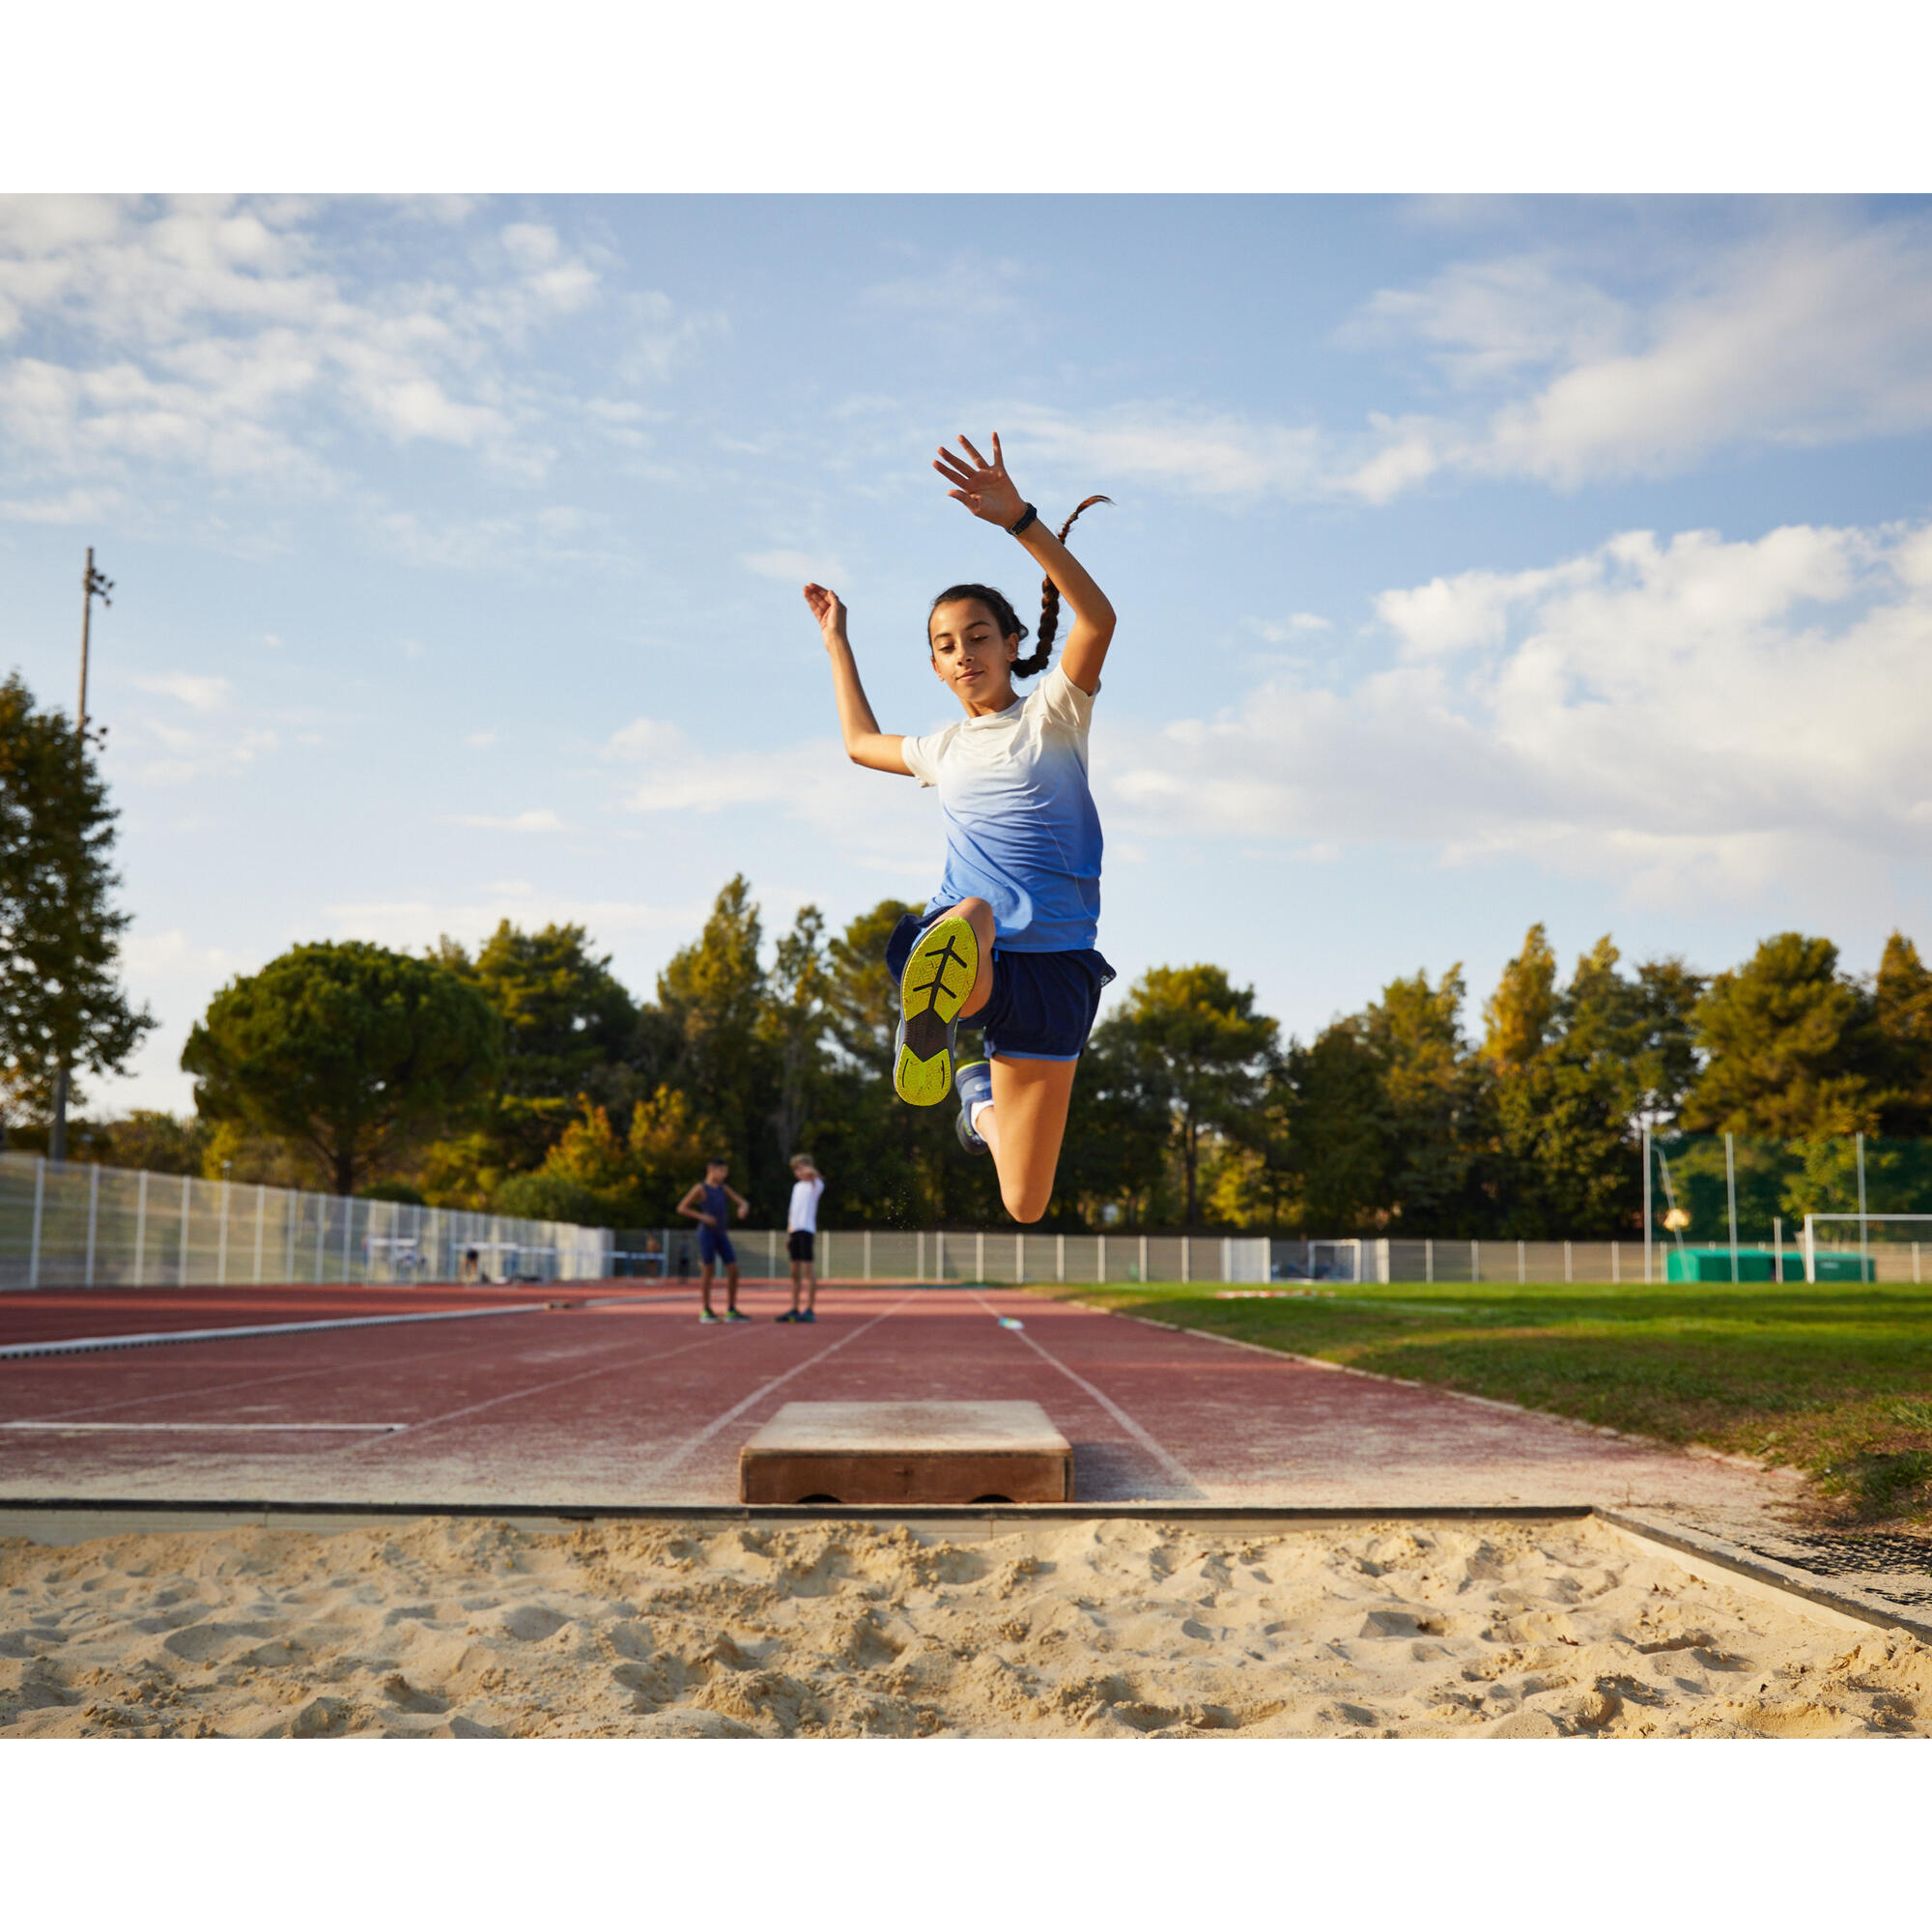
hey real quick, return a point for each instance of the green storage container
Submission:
(1715, 1264)
(1756, 1265)
(1840, 1266)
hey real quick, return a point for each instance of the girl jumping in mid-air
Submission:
(1007, 940)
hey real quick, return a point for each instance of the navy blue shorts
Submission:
(1042, 1005)
(714, 1246)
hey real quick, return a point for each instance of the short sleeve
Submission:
(921, 757)
(1063, 703)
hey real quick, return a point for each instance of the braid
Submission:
(1049, 607)
(1008, 618)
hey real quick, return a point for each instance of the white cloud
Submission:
(480, 741)
(539, 819)
(877, 817)
(202, 694)
(410, 924)
(1300, 625)
(75, 505)
(152, 955)
(1687, 718)
(647, 738)
(796, 566)
(663, 337)
(1813, 333)
(1485, 322)
(240, 339)
(1203, 453)
(1810, 334)
(966, 290)
(199, 747)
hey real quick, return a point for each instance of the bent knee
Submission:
(1024, 1206)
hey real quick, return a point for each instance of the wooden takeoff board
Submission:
(907, 1452)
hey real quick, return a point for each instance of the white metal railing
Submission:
(1612, 1263)
(74, 1225)
(70, 1225)
(933, 1257)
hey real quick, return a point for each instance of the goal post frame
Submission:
(1864, 1220)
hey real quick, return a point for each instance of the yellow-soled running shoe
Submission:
(937, 982)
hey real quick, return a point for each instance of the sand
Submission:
(445, 1628)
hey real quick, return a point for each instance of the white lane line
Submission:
(629, 1360)
(460, 1346)
(1172, 1464)
(88, 1344)
(691, 1443)
(203, 1428)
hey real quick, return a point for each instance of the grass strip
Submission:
(1833, 1379)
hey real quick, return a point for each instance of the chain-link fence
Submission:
(66, 1225)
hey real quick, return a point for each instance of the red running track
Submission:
(625, 1402)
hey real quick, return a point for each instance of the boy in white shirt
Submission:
(801, 1233)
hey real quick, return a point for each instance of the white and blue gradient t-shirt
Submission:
(1021, 832)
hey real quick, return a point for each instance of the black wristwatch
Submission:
(1028, 517)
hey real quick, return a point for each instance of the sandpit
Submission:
(1086, 1629)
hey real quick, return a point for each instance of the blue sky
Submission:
(1478, 561)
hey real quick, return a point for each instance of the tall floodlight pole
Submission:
(93, 584)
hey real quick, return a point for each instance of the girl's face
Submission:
(970, 655)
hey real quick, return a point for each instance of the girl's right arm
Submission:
(865, 743)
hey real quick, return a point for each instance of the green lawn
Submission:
(1834, 1380)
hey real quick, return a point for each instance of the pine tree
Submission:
(348, 1050)
(1902, 1002)
(713, 992)
(61, 1006)
(1795, 1051)
(793, 1024)
(1198, 1048)
(567, 1019)
(1434, 1100)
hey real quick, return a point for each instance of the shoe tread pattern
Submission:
(936, 983)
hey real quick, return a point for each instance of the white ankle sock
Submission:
(972, 1121)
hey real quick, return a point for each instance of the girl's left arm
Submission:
(993, 495)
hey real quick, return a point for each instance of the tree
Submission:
(1795, 1051)
(348, 1050)
(61, 1006)
(1199, 1048)
(1338, 1130)
(565, 1017)
(1433, 1099)
(595, 1176)
(792, 1024)
(161, 1142)
(1120, 1132)
(1571, 1072)
(1902, 1007)
(1520, 1013)
(1661, 1043)
(713, 992)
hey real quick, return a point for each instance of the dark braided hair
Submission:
(1008, 618)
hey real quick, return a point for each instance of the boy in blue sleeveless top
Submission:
(707, 1203)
